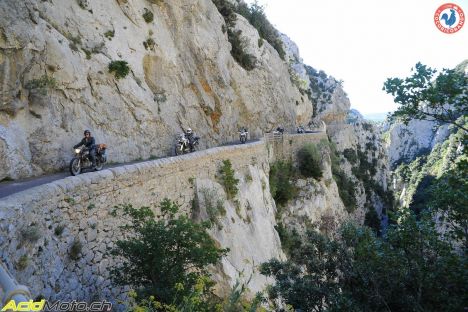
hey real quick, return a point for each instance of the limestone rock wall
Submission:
(364, 139)
(55, 82)
(406, 142)
(318, 202)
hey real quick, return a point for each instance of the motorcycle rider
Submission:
(243, 131)
(90, 143)
(190, 136)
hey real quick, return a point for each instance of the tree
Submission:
(422, 97)
(410, 269)
(227, 176)
(282, 188)
(307, 281)
(164, 257)
(310, 160)
(451, 201)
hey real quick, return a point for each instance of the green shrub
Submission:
(309, 161)
(248, 177)
(239, 44)
(255, 14)
(22, 263)
(41, 85)
(59, 229)
(282, 187)
(75, 249)
(149, 44)
(88, 53)
(296, 80)
(120, 68)
(237, 300)
(148, 16)
(350, 155)
(30, 234)
(290, 239)
(163, 256)
(346, 189)
(214, 205)
(109, 34)
(228, 180)
(69, 200)
(75, 41)
(412, 268)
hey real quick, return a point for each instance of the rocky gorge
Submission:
(137, 73)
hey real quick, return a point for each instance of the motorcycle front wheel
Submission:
(178, 150)
(243, 140)
(75, 166)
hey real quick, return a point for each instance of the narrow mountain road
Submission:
(10, 187)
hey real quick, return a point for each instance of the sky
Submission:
(364, 42)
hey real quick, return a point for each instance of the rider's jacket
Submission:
(190, 137)
(89, 143)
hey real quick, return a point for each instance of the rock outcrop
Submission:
(406, 142)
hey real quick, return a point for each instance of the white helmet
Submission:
(189, 131)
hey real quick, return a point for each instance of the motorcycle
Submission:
(182, 145)
(243, 135)
(82, 161)
(279, 131)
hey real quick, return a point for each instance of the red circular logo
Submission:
(449, 18)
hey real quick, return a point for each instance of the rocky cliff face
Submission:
(54, 59)
(355, 184)
(420, 153)
(406, 142)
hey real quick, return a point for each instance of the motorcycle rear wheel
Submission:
(75, 167)
(99, 165)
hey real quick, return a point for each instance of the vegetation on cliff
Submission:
(437, 182)
(282, 178)
(256, 16)
(309, 161)
(165, 257)
(412, 269)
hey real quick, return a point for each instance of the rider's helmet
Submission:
(87, 132)
(189, 131)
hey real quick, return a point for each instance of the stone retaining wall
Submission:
(286, 146)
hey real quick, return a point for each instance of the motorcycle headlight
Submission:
(77, 150)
